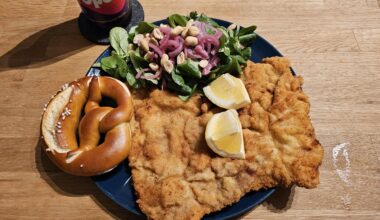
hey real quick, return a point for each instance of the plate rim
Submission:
(267, 192)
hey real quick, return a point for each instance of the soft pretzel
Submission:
(62, 121)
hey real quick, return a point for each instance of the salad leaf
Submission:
(182, 90)
(119, 41)
(223, 40)
(97, 65)
(236, 46)
(129, 70)
(186, 97)
(114, 65)
(189, 68)
(176, 19)
(247, 30)
(240, 59)
(193, 15)
(204, 18)
(138, 62)
(178, 79)
(246, 53)
(131, 80)
(234, 66)
(225, 50)
(145, 27)
(132, 33)
(247, 39)
(177, 83)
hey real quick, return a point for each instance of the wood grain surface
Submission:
(333, 44)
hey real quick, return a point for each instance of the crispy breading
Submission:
(176, 175)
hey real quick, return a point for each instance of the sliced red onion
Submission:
(217, 32)
(172, 44)
(140, 72)
(214, 61)
(155, 76)
(192, 55)
(211, 39)
(178, 50)
(178, 38)
(203, 27)
(164, 41)
(156, 49)
(208, 48)
(200, 51)
(186, 52)
(206, 70)
(198, 25)
(175, 52)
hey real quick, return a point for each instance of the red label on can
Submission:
(106, 7)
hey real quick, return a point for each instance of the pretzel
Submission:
(62, 121)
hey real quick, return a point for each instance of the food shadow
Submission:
(75, 186)
(45, 47)
(281, 200)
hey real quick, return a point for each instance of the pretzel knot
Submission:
(59, 127)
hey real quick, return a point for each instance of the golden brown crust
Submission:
(63, 117)
(175, 174)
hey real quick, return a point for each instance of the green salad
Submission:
(183, 55)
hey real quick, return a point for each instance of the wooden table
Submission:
(333, 44)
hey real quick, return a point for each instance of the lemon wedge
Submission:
(224, 134)
(227, 92)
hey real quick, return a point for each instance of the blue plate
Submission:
(117, 184)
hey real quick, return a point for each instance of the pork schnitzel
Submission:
(176, 175)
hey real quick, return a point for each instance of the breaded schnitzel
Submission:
(175, 174)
